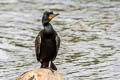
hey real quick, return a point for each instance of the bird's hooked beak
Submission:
(51, 16)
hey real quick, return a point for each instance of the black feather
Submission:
(47, 44)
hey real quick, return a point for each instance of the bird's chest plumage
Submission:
(48, 47)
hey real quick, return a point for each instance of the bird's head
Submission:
(48, 16)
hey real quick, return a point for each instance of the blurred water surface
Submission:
(89, 30)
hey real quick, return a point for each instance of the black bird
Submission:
(47, 42)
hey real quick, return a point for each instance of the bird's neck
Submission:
(48, 28)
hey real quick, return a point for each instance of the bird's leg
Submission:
(47, 65)
(50, 66)
(53, 66)
(44, 64)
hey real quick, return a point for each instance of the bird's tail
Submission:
(53, 66)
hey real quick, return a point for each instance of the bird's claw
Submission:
(51, 69)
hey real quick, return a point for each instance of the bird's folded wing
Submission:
(57, 42)
(37, 46)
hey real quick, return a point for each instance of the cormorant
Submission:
(47, 42)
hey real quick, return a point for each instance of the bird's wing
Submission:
(57, 43)
(57, 39)
(37, 46)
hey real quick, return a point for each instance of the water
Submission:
(89, 31)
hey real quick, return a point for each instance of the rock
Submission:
(40, 74)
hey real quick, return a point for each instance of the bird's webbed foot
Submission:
(50, 69)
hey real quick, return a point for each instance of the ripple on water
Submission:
(3, 55)
(89, 33)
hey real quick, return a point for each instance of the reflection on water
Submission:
(89, 30)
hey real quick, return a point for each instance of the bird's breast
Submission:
(48, 48)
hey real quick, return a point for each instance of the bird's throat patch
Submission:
(50, 16)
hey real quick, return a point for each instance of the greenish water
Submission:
(89, 31)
